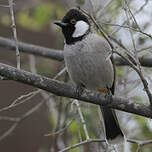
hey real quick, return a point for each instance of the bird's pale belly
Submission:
(89, 70)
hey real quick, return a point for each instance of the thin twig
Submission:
(11, 119)
(127, 11)
(128, 27)
(143, 49)
(132, 16)
(7, 6)
(21, 99)
(140, 143)
(146, 142)
(60, 73)
(82, 143)
(82, 119)
(32, 63)
(19, 119)
(138, 11)
(142, 7)
(138, 148)
(9, 131)
(61, 130)
(14, 32)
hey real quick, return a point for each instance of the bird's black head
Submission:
(75, 26)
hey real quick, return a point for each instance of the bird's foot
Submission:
(108, 96)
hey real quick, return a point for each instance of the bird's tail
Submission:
(114, 135)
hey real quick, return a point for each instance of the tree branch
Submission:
(63, 89)
(58, 54)
(32, 49)
(144, 61)
(14, 33)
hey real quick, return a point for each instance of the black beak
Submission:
(60, 23)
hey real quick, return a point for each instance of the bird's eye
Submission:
(73, 21)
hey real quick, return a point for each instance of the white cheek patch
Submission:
(81, 28)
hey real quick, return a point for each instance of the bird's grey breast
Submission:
(86, 63)
(75, 60)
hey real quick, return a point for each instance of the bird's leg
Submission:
(108, 95)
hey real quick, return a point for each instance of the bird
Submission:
(86, 56)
